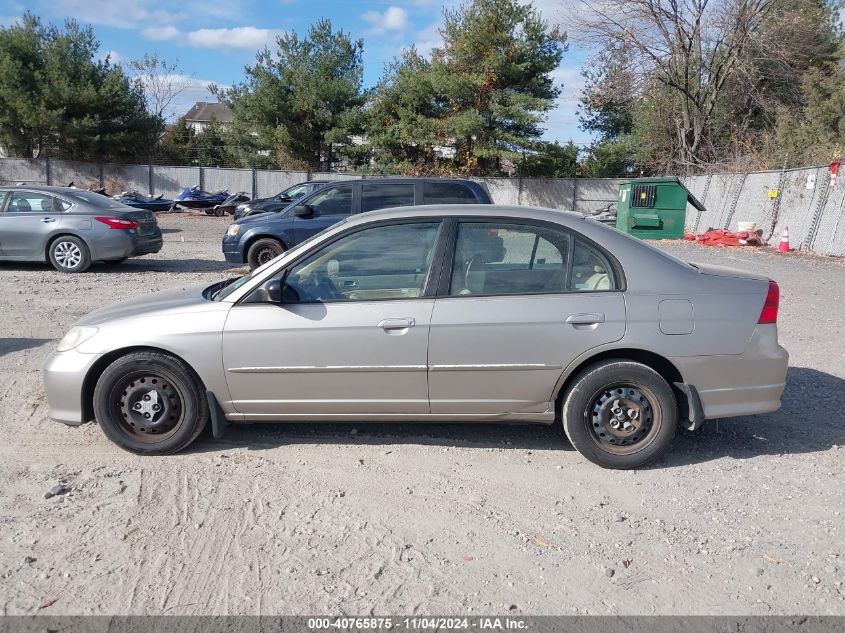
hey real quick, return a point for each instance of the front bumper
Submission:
(64, 377)
(124, 244)
(739, 384)
(232, 251)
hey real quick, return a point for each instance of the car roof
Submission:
(44, 188)
(402, 179)
(486, 210)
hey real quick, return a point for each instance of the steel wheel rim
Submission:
(623, 418)
(67, 254)
(266, 254)
(148, 406)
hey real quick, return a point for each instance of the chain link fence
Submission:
(801, 199)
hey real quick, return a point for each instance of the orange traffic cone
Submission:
(783, 247)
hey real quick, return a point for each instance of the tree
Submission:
(177, 145)
(692, 47)
(55, 96)
(296, 100)
(162, 83)
(403, 114)
(492, 78)
(550, 160)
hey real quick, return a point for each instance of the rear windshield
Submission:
(93, 199)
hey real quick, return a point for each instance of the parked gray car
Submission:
(71, 228)
(465, 313)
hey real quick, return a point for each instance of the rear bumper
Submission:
(739, 384)
(123, 244)
(64, 376)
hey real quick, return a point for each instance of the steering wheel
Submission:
(319, 287)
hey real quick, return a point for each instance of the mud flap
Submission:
(695, 412)
(219, 423)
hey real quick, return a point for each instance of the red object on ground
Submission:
(721, 237)
(783, 247)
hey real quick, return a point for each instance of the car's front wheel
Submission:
(150, 403)
(69, 254)
(263, 251)
(620, 414)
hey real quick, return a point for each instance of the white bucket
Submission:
(746, 226)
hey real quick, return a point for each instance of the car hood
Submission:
(155, 304)
(258, 218)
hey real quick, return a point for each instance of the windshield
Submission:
(239, 282)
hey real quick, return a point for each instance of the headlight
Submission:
(76, 337)
(234, 229)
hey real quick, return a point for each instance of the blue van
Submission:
(259, 238)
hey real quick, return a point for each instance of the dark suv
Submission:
(260, 238)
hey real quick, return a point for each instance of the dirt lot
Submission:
(745, 518)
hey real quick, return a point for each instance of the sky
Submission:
(212, 40)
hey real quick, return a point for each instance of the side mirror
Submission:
(268, 292)
(303, 211)
(289, 294)
(285, 198)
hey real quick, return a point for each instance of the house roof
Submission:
(205, 112)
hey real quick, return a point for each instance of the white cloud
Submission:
(247, 37)
(122, 13)
(393, 19)
(113, 56)
(428, 39)
(160, 34)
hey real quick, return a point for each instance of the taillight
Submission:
(118, 223)
(769, 313)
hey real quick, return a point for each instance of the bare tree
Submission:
(692, 47)
(162, 82)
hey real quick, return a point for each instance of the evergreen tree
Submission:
(296, 100)
(55, 96)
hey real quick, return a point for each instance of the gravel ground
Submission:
(744, 518)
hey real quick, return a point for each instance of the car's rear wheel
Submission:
(263, 251)
(150, 403)
(69, 254)
(620, 414)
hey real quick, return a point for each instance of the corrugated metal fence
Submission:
(805, 202)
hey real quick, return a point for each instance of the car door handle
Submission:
(396, 324)
(587, 318)
(48, 220)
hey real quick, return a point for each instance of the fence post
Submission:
(817, 214)
(308, 175)
(202, 179)
(574, 193)
(102, 179)
(519, 190)
(150, 179)
(48, 170)
(254, 183)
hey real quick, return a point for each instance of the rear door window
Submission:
(382, 196)
(494, 258)
(447, 193)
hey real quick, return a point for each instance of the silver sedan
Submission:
(71, 228)
(432, 314)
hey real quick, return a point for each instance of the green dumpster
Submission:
(654, 208)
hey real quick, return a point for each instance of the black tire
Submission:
(131, 387)
(620, 414)
(219, 213)
(69, 254)
(262, 251)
